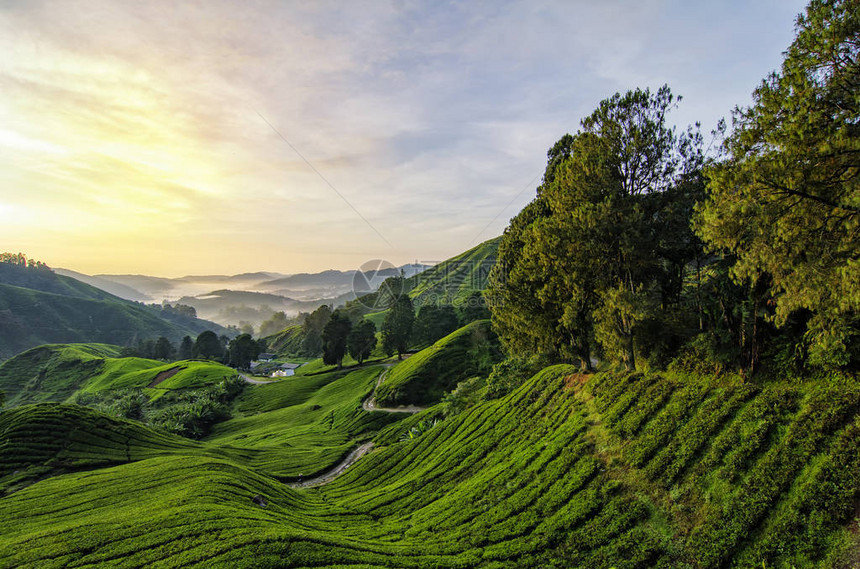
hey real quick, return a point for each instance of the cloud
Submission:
(144, 119)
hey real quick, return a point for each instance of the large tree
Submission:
(434, 322)
(241, 351)
(397, 326)
(186, 347)
(334, 338)
(587, 251)
(163, 349)
(277, 322)
(312, 329)
(786, 202)
(208, 346)
(361, 340)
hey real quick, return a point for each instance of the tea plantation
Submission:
(427, 375)
(569, 470)
(55, 372)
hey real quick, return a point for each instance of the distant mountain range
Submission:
(39, 306)
(247, 297)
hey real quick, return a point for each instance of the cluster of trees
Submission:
(187, 413)
(238, 352)
(21, 260)
(638, 248)
(336, 333)
(603, 247)
(170, 310)
(158, 349)
(277, 322)
(340, 336)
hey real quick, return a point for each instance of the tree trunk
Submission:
(631, 354)
(699, 295)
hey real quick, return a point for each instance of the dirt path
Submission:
(249, 379)
(330, 475)
(369, 404)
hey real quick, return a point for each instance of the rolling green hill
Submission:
(37, 306)
(55, 372)
(305, 423)
(449, 282)
(568, 471)
(47, 439)
(454, 280)
(287, 341)
(425, 376)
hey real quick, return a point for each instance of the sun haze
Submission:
(220, 137)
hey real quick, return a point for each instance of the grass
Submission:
(449, 282)
(306, 423)
(607, 470)
(288, 341)
(55, 372)
(425, 376)
(455, 279)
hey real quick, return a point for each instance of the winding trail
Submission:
(336, 471)
(368, 404)
(253, 381)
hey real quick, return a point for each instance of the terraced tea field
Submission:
(55, 372)
(426, 376)
(567, 471)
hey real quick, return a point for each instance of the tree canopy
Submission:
(186, 347)
(208, 346)
(603, 243)
(434, 322)
(786, 201)
(361, 340)
(312, 329)
(241, 351)
(397, 326)
(334, 338)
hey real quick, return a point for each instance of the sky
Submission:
(174, 138)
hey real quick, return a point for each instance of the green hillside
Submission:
(287, 341)
(47, 439)
(425, 376)
(449, 282)
(322, 412)
(305, 424)
(55, 372)
(38, 307)
(568, 471)
(452, 281)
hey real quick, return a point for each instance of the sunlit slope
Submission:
(298, 427)
(450, 282)
(425, 376)
(453, 280)
(287, 341)
(56, 371)
(567, 471)
(307, 422)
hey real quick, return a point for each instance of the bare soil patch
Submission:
(166, 374)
